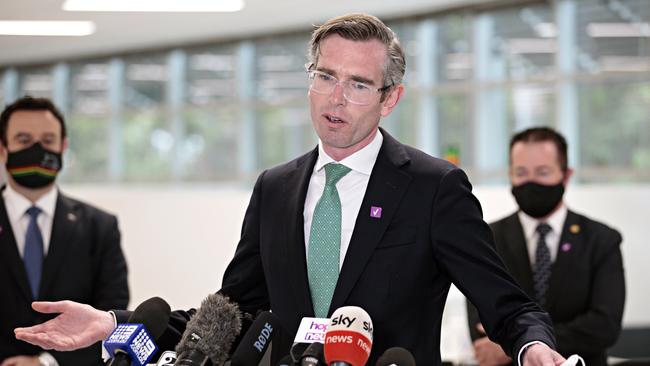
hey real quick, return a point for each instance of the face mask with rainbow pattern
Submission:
(34, 167)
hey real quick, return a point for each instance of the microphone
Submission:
(210, 332)
(396, 356)
(348, 339)
(253, 345)
(313, 355)
(286, 361)
(168, 358)
(130, 344)
(309, 331)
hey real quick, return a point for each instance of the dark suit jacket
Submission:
(587, 288)
(398, 268)
(84, 263)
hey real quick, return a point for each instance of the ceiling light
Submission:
(46, 28)
(154, 5)
(618, 30)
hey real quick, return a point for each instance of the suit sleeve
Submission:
(464, 247)
(244, 281)
(111, 290)
(472, 321)
(599, 326)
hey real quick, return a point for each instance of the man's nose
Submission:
(337, 97)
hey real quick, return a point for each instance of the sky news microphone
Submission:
(348, 339)
(210, 333)
(396, 356)
(264, 329)
(313, 355)
(133, 343)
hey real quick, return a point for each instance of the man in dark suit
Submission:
(52, 247)
(571, 264)
(363, 220)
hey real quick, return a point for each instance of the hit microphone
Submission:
(130, 344)
(309, 331)
(252, 346)
(313, 355)
(396, 356)
(210, 332)
(348, 339)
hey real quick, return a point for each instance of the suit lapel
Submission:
(386, 188)
(569, 246)
(9, 253)
(295, 190)
(517, 254)
(63, 229)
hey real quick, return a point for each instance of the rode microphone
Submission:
(130, 343)
(348, 339)
(210, 333)
(253, 345)
(313, 355)
(396, 356)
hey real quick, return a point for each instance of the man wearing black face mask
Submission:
(569, 263)
(52, 247)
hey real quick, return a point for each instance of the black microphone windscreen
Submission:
(217, 323)
(153, 314)
(256, 340)
(286, 361)
(396, 356)
(313, 355)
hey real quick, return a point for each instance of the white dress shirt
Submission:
(555, 221)
(17, 205)
(351, 188)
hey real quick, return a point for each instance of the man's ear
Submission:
(64, 145)
(567, 175)
(3, 153)
(391, 100)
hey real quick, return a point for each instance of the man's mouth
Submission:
(333, 119)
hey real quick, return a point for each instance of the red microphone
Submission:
(348, 339)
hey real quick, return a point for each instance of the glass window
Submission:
(36, 82)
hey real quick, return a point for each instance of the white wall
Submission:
(179, 240)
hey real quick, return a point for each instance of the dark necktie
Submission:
(542, 268)
(325, 242)
(33, 257)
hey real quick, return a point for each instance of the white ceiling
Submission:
(127, 32)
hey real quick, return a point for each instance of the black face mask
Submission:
(34, 167)
(538, 200)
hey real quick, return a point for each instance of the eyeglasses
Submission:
(354, 92)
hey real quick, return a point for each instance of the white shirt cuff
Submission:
(105, 354)
(520, 362)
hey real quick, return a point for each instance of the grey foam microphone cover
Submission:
(213, 329)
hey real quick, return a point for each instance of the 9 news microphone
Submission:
(348, 339)
(130, 344)
(253, 345)
(396, 356)
(210, 333)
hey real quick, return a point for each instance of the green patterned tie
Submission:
(325, 242)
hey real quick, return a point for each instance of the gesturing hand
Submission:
(76, 326)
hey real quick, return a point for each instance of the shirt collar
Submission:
(19, 204)
(555, 221)
(361, 161)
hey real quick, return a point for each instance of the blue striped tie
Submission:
(33, 257)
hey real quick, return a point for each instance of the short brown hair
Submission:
(363, 27)
(28, 103)
(540, 134)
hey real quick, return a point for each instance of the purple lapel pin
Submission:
(566, 247)
(375, 212)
